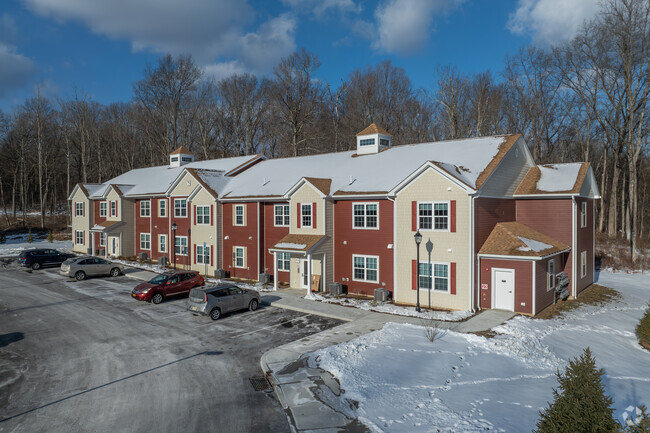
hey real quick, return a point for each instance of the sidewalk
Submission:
(311, 396)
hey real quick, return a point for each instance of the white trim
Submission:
(535, 258)
(203, 217)
(160, 215)
(275, 206)
(365, 215)
(474, 285)
(493, 285)
(534, 287)
(433, 216)
(160, 237)
(299, 185)
(433, 277)
(105, 203)
(365, 268)
(83, 237)
(76, 208)
(584, 221)
(113, 207)
(360, 196)
(574, 243)
(258, 222)
(180, 208)
(187, 247)
(277, 259)
(243, 215)
(243, 257)
(145, 248)
(207, 248)
(422, 169)
(583, 263)
(549, 273)
(311, 216)
(148, 208)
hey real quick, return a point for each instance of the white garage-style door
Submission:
(503, 282)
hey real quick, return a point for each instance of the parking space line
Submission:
(268, 327)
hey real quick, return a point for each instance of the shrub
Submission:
(643, 329)
(580, 405)
(30, 237)
(3, 237)
(50, 237)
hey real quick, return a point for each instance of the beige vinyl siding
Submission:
(432, 186)
(511, 171)
(306, 194)
(296, 277)
(184, 187)
(204, 233)
(113, 196)
(81, 223)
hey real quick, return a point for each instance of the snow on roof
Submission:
(92, 188)
(465, 159)
(558, 177)
(516, 239)
(156, 180)
(533, 245)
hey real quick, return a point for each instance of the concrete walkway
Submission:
(311, 396)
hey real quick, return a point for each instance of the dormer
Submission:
(373, 139)
(180, 156)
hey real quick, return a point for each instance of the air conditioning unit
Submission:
(336, 289)
(220, 273)
(163, 261)
(142, 256)
(381, 295)
(265, 278)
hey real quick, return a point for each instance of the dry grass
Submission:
(615, 253)
(592, 295)
(487, 333)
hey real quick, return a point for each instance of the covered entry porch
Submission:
(299, 255)
(106, 239)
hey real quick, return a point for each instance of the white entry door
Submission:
(503, 283)
(304, 274)
(115, 246)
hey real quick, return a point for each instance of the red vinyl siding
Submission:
(544, 296)
(585, 243)
(142, 225)
(240, 236)
(160, 226)
(487, 213)
(350, 241)
(523, 282)
(272, 236)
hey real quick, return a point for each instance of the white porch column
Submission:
(92, 243)
(105, 244)
(275, 270)
(309, 294)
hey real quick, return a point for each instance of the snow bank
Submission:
(18, 243)
(467, 383)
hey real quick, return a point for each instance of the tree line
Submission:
(582, 100)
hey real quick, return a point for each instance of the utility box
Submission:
(381, 295)
(220, 273)
(142, 256)
(163, 261)
(265, 278)
(336, 289)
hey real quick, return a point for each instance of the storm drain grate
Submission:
(260, 383)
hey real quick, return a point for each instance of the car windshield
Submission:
(159, 279)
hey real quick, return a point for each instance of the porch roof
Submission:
(106, 226)
(517, 240)
(297, 243)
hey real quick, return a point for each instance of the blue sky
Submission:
(100, 47)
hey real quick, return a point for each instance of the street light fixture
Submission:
(174, 227)
(429, 246)
(418, 241)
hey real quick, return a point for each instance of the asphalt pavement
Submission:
(86, 357)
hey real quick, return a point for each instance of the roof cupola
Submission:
(180, 156)
(373, 139)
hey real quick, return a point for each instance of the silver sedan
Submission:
(87, 266)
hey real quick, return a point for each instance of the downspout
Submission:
(394, 246)
(573, 247)
(472, 258)
(259, 246)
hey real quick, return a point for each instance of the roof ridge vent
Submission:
(265, 181)
(352, 179)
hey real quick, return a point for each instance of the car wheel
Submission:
(157, 298)
(80, 275)
(115, 272)
(36, 266)
(215, 314)
(253, 305)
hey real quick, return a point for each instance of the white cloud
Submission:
(320, 7)
(551, 21)
(15, 69)
(404, 26)
(211, 30)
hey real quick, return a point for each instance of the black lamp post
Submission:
(174, 227)
(418, 241)
(429, 246)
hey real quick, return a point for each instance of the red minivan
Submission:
(172, 283)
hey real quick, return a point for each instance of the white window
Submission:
(384, 142)
(145, 208)
(367, 142)
(180, 207)
(424, 281)
(239, 214)
(102, 209)
(203, 255)
(281, 215)
(365, 268)
(238, 257)
(180, 245)
(364, 215)
(284, 261)
(162, 207)
(162, 243)
(305, 212)
(440, 277)
(583, 264)
(203, 215)
(102, 239)
(145, 241)
(433, 216)
(79, 237)
(583, 214)
(113, 208)
(551, 275)
(79, 209)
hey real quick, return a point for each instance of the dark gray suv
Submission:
(221, 299)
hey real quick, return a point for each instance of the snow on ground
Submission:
(450, 316)
(16, 244)
(467, 383)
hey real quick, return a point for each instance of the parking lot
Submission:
(83, 356)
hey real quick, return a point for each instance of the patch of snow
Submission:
(558, 177)
(533, 245)
(449, 316)
(468, 383)
(291, 245)
(17, 244)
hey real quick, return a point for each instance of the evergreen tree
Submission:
(3, 237)
(50, 237)
(30, 238)
(580, 404)
(638, 422)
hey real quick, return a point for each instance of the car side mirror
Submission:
(168, 283)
